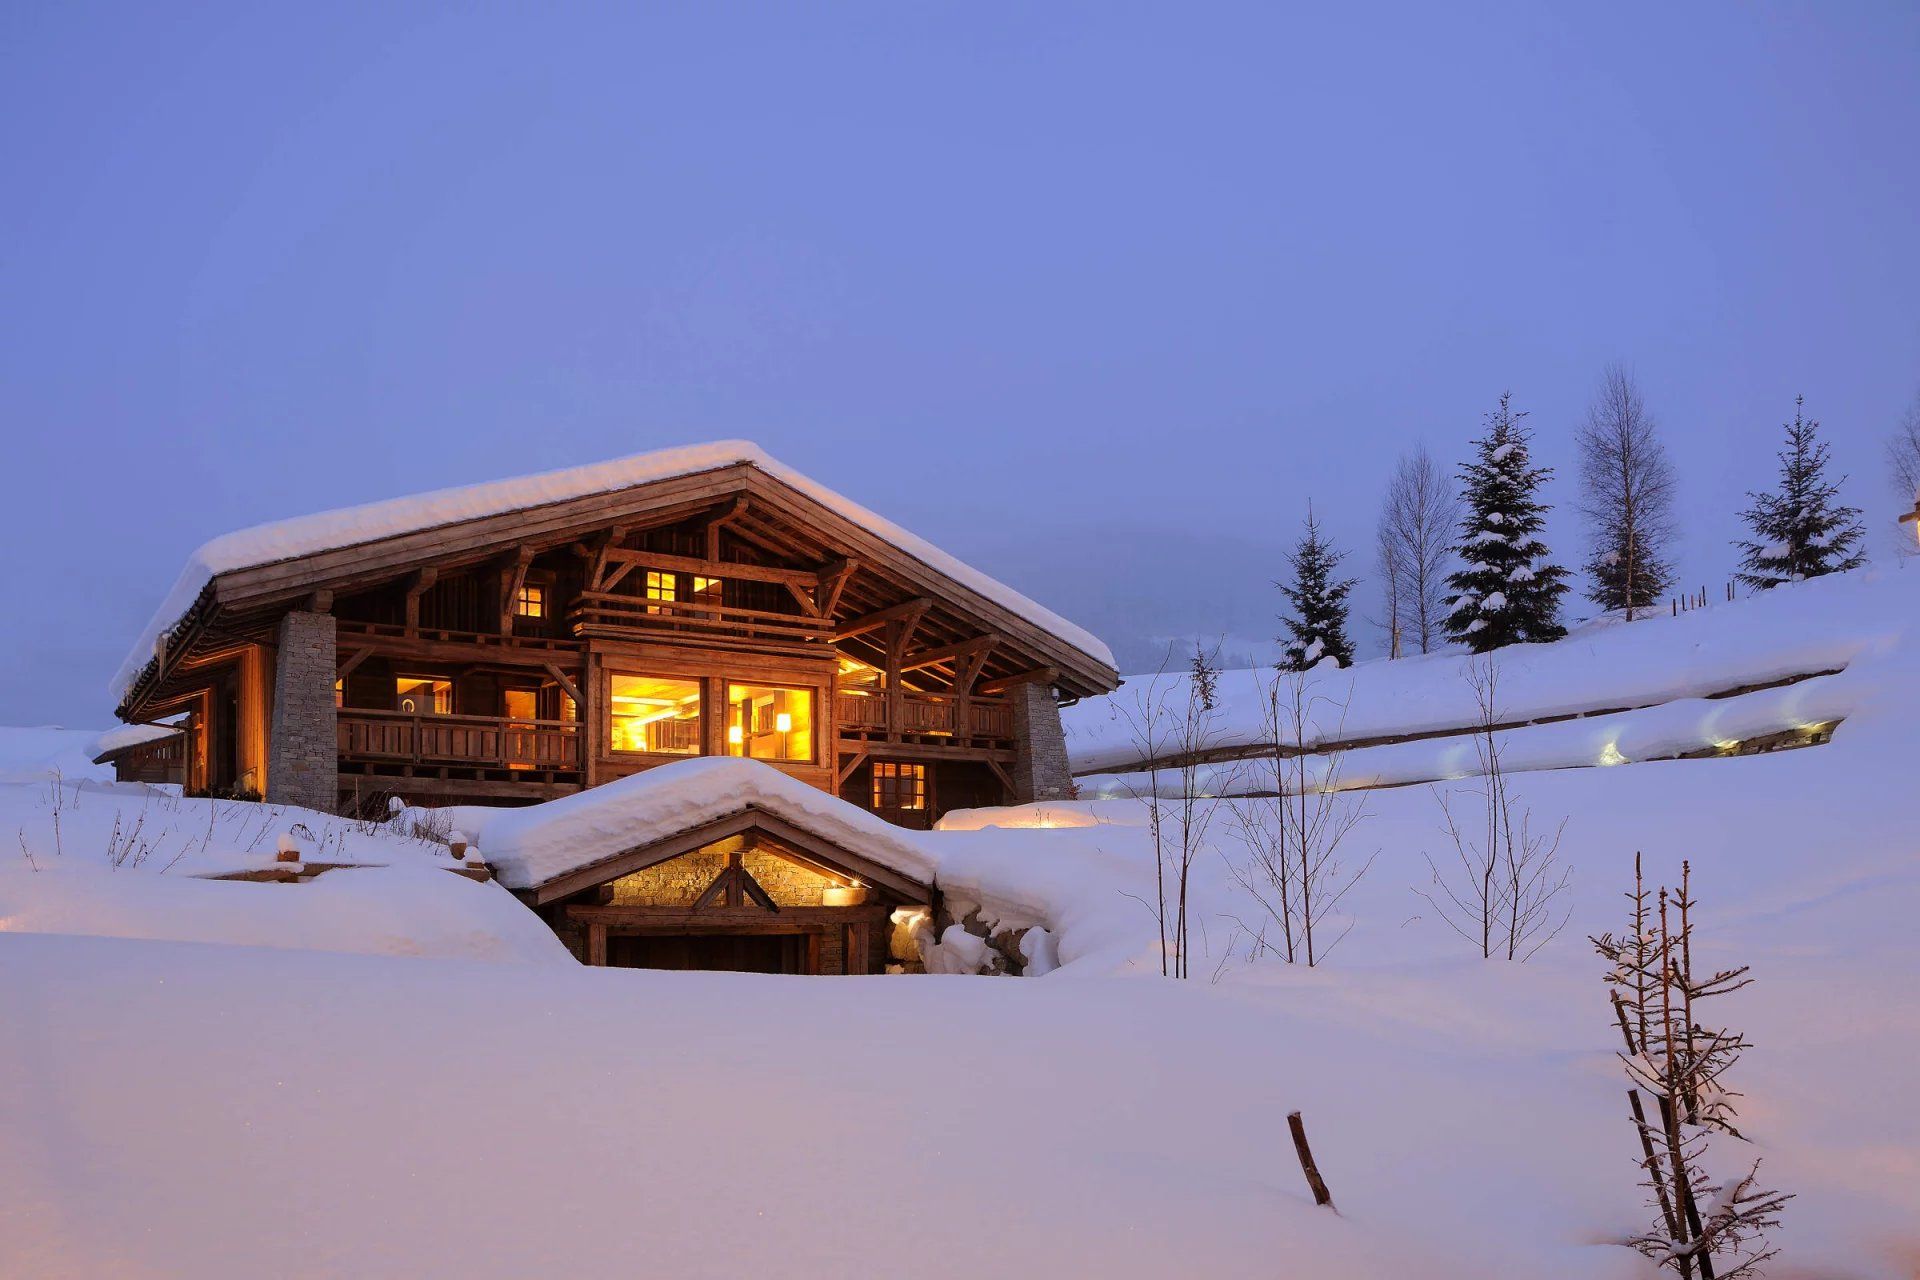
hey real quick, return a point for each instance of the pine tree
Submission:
(1317, 629)
(1505, 591)
(1800, 531)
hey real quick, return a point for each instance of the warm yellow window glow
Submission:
(661, 586)
(423, 695)
(767, 723)
(899, 786)
(530, 601)
(521, 704)
(649, 713)
(339, 693)
(707, 590)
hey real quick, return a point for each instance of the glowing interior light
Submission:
(783, 722)
(735, 734)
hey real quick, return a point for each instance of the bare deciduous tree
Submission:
(1627, 497)
(1502, 890)
(1412, 545)
(1172, 721)
(1292, 828)
(1903, 471)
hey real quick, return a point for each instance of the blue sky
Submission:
(1096, 296)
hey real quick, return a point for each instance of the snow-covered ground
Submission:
(1660, 687)
(229, 1107)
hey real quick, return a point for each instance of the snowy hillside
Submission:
(301, 1112)
(1795, 659)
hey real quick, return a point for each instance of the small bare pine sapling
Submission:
(1679, 1063)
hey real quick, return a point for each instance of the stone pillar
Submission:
(303, 753)
(1039, 746)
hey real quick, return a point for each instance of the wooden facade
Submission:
(523, 656)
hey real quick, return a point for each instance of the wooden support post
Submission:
(1300, 1148)
(596, 943)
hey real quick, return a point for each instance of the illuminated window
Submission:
(767, 723)
(899, 786)
(339, 693)
(653, 714)
(521, 704)
(530, 601)
(708, 591)
(568, 711)
(661, 586)
(423, 695)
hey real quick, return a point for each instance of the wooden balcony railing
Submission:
(475, 742)
(605, 613)
(923, 715)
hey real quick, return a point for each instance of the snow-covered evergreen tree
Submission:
(1801, 531)
(1317, 628)
(1506, 591)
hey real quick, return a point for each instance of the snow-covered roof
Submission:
(532, 846)
(352, 526)
(128, 735)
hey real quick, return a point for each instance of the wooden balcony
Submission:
(601, 613)
(385, 740)
(924, 715)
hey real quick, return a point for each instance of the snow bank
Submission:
(1651, 733)
(32, 755)
(1797, 630)
(128, 861)
(350, 526)
(529, 846)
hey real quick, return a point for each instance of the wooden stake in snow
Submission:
(1300, 1148)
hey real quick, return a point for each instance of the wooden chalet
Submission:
(525, 640)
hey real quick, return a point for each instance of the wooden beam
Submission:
(568, 687)
(842, 772)
(719, 521)
(513, 576)
(422, 582)
(596, 574)
(350, 661)
(881, 617)
(805, 597)
(713, 568)
(947, 652)
(1039, 675)
(320, 601)
(834, 577)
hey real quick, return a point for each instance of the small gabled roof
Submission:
(548, 846)
(322, 536)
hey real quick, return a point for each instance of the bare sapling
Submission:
(1294, 862)
(1715, 1231)
(1503, 889)
(1194, 807)
(1172, 720)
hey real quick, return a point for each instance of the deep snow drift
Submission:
(295, 1112)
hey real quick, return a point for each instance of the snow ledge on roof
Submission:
(351, 526)
(531, 846)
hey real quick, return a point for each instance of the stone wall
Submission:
(303, 749)
(1040, 770)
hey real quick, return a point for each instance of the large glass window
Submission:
(768, 723)
(653, 714)
(423, 695)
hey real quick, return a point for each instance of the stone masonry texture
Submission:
(302, 750)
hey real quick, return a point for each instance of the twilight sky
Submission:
(1095, 296)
